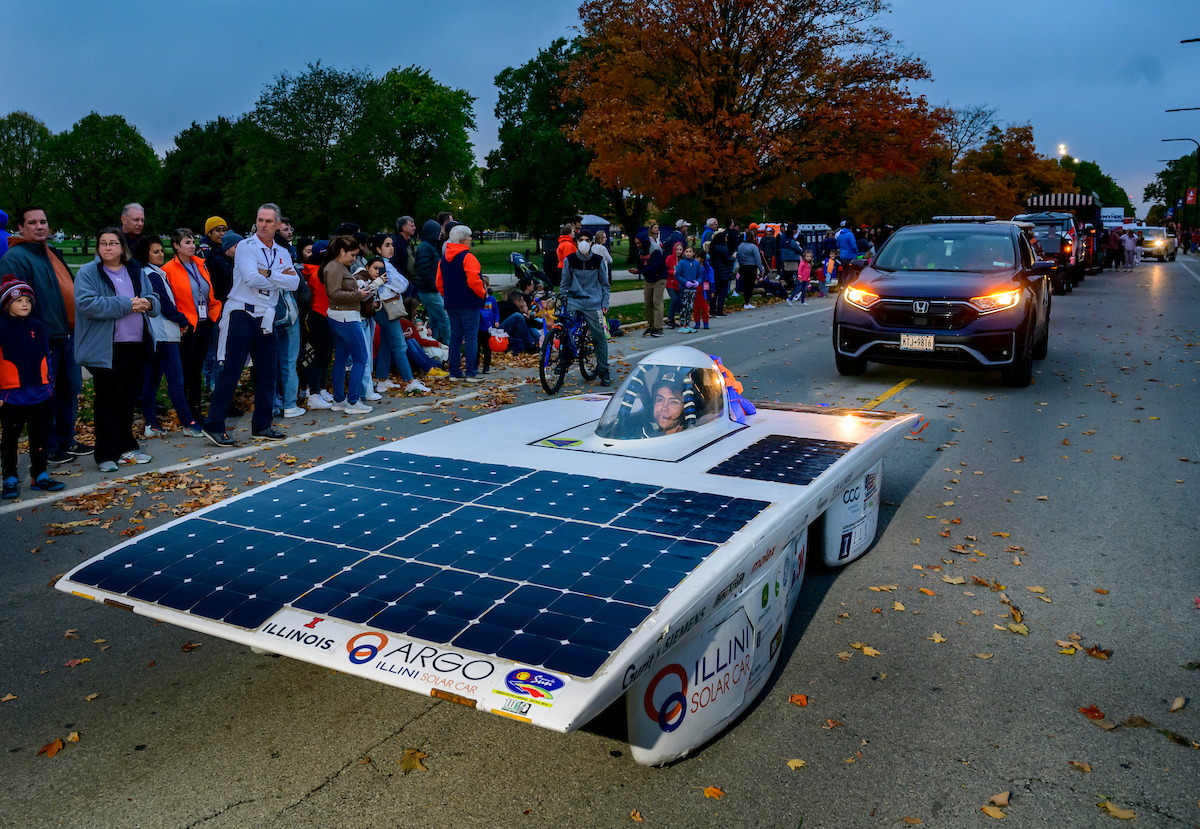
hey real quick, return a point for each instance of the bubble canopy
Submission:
(672, 391)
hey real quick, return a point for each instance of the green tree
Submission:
(538, 175)
(1089, 178)
(1171, 184)
(99, 165)
(420, 142)
(199, 176)
(23, 143)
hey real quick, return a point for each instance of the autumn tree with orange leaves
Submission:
(723, 105)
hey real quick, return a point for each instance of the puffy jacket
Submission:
(566, 246)
(428, 254)
(24, 361)
(789, 249)
(320, 300)
(97, 309)
(722, 263)
(847, 246)
(458, 278)
(181, 289)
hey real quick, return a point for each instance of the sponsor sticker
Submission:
(445, 670)
(305, 630)
(560, 443)
(530, 687)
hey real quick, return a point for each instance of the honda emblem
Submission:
(921, 306)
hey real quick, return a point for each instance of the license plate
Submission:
(916, 342)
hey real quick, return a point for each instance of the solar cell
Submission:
(783, 459)
(543, 568)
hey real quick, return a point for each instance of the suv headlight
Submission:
(996, 302)
(860, 298)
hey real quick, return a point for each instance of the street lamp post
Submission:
(1197, 143)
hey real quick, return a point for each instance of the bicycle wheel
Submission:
(589, 363)
(550, 366)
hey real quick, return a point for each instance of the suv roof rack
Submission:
(977, 219)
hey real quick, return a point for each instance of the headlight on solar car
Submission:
(996, 302)
(859, 298)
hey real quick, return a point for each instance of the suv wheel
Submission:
(1042, 347)
(849, 366)
(1172, 257)
(1021, 373)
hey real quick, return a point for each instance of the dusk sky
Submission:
(1096, 76)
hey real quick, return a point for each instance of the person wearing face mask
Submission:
(586, 276)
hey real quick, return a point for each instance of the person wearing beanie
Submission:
(26, 394)
(214, 229)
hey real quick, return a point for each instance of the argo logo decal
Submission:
(531, 683)
(670, 713)
(361, 654)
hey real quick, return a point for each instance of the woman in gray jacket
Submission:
(111, 307)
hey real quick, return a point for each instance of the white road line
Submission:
(242, 451)
(1189, 270)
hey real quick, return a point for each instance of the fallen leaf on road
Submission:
(73, 737)
(1046, 599)
(1092, 712)
(1016, 561)
(91, 697)
(927, 591)
(831, 724)
(73, 663)
(912, 821)
(795, 764)
(714, 792)
(976, 612)
(799, 699)
(51, 749)
(411, 760)
(1001, 535)
(1176, 738)
(937, 637)
(954, 580)
(636, 816)
(1177, 704)
(71, 634)
(844, 656)
(983, 656)
(1043, 497)
(188, 647)
(992, 811)
(999, 799)
(1137, 721)
(1117, 457)
(1068, 651)
(897, 606)
(918, 567)
(8, 697)
(1098, 652)
(1101, 591)
(1082, 767)
(1036, 589)
(1074, 637)
(1106, 724)
(869, 651)
(1123, 814)
(1018, 628)
(426, 420)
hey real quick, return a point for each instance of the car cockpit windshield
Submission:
(658, 400)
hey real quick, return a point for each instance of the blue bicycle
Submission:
(568, 340)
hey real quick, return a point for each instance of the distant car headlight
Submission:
(996, 302)
(860, 298)
(1158, 243)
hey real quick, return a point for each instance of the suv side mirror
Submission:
(1041, 268)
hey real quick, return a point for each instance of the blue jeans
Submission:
(439, 318)
(520, 338)
(417, 358)
(244, 337)
(289, 352)
(392, 348)
(68, 385)
(348, 342)
(464, 330)
(166, 362)
(675, 306)
(366, 387)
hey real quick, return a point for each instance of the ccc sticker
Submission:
(362, 653)
(670, 714)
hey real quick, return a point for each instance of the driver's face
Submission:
(668, 409)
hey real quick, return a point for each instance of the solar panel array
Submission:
(543, 568)
(783, 459)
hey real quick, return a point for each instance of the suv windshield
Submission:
(658, 400)
(964, 249)
(1153, 233)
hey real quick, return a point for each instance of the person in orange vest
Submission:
(196, 300)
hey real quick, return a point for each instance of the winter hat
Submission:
(229, 240)
(320, 247)
(213, 221)
(10, 289)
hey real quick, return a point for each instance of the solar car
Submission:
(543, 562)
(952, 294)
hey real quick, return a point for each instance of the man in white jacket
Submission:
(261, 269)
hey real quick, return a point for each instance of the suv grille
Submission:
(942, 316)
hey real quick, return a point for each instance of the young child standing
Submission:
(828, 273)
(674, 285)
(687, 272)
(489, 318)
(25, 390)
(706, 284)
(804, 277)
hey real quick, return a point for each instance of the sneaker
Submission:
(151, 432)
(12, 489)
(471, 378)
(384, 385)
(358, 408)
(657, 332)
(338, 405)
(456, 377)
(604, 381)
(706, 326)
(80, 449)
(274, 433)
(788, 300)
(293, 411)
(302, 394)
(417, 385)
(134, 457)
(316, 401)
(218, 438)
(193, 431)
(734, 295)
(325, 393)
(45, 483)
(748, 307)
(438, 372)
(59, 458)
(373, 396)
(108, 466)
(276, 412)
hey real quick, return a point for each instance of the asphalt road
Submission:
(1090, 473)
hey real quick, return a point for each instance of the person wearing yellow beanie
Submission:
(214, 229)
